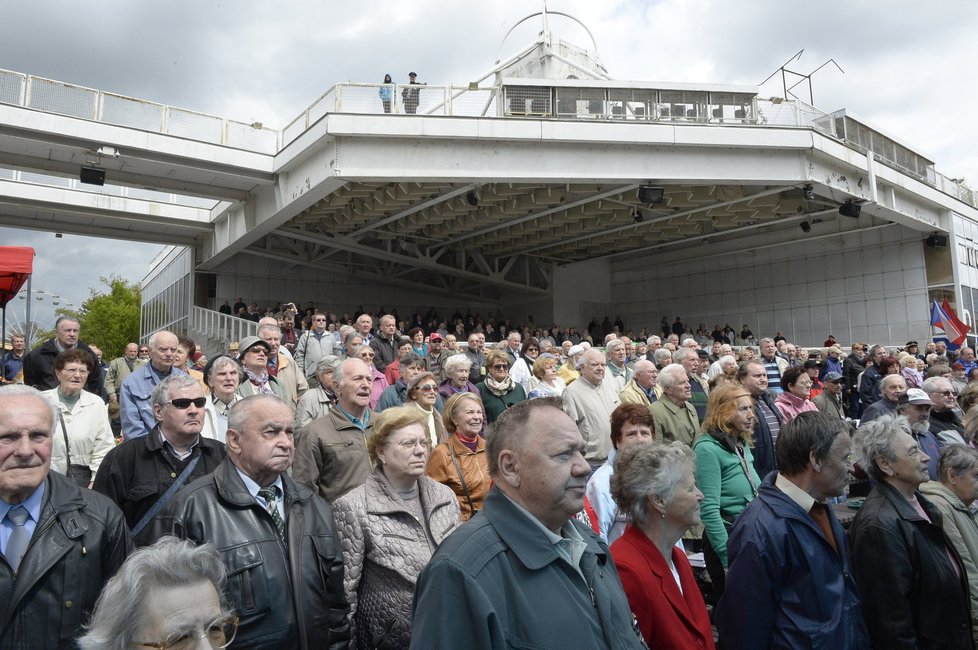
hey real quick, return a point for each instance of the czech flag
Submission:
(943, 316)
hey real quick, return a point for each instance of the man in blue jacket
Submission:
(789, 584)
(523, 572)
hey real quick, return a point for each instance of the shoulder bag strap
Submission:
(465, 488)
(64, 432)
(170, 491)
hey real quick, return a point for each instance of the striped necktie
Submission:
(270, 495)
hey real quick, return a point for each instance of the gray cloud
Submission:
(907, 64)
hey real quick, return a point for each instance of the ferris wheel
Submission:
(34, 311)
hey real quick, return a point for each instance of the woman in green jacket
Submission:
(499, 391)
(724, 472)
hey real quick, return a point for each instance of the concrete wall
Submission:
(865, 286)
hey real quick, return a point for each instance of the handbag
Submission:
(80, 475)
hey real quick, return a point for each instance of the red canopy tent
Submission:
(16, 266)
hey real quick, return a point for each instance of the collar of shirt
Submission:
(567, 531)
(357, 422)
(795, 493)
(170, 448)
(32, 504)
(254, 487)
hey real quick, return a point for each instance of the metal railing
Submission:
(220, 326)
(63, 98)
(73, 100)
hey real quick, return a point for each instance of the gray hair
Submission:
(411, 359)
(269, 327)
(875, 439)
(956, 458)
(152, 339)
(680, 355)
(219, 365)
(934, 384)
(764, 340)
(668, 376)
(653, 339)
(662, 356)
(240, 412)
(339, 373)
(161, 394)
(123, 606)
(349, 336)
(613, 345)
(727, 358)
(330, 362)
(19, 390)
(891, 379)
(648, 470)
(456, 362)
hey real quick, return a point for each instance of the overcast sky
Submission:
(909, 65)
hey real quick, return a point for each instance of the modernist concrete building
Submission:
(541, 187)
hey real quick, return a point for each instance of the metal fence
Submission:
(87, 103)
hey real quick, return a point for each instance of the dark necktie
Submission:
(19, 537)
(821, 517)
(270, 495)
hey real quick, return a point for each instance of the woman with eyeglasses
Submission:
(522, 370)
(796, 387)
(82, 435)
(422, 394)
(389, 528)
(724, 472)
(378, 382)
(460, 462)
(545, 382)
(253, 357)
(167, 596)
(499, 391)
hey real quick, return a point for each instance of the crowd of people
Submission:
(379, 483)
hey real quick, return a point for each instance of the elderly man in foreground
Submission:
(524, 572)
(60, 543)
(276, 537)
(789, 584)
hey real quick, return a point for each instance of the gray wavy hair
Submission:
(457, 361)
(123, 607)
(648, 470)
(875, 439)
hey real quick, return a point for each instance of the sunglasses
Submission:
(428, 388)
(500, 366)
(183, 403)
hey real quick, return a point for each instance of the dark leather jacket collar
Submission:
(232, 489)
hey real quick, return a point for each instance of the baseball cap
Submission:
(914, 396)
(832, 376)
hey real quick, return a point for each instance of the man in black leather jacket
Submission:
(285, 570)
(78, 538)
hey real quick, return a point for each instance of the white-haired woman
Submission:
(223, 376)
(168, 595)
(653, 483)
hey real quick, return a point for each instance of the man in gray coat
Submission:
(523, 572)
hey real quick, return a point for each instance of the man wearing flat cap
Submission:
(829, 401)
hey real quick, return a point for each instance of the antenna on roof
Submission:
(803, 77)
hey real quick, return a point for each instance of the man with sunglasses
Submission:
(945, 424)
(139, 473)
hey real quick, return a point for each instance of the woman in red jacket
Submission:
(654, 484)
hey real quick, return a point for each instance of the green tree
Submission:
(110, 319)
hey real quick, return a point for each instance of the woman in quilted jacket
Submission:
(389, 528)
